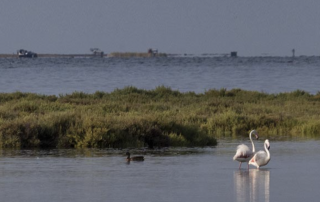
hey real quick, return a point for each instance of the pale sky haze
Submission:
(251, 27)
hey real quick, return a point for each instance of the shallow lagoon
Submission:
(197, 174)
(185, 174)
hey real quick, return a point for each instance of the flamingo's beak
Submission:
(257, 137)
(268, 147)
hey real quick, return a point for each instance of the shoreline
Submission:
(53, 55)
(114, 54)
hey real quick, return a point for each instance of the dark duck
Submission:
(134, 158)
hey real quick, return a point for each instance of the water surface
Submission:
(66, 75)
(187, 174)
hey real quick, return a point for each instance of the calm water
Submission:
(199, 174)
(206, 174)
(63, 76)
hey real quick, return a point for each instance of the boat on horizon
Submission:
(26, 54)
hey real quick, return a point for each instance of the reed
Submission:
(161, 117)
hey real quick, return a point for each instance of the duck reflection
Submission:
(252, 185)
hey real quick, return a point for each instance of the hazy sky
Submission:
(251, 27)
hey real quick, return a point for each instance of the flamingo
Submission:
(243, 153)
(261, 158)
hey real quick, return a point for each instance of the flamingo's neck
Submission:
(267, 150)
(253, 148)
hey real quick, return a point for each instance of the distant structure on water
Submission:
(97, 52)
(293, 53)
(234, 54)
(26, 54)
(152, 52)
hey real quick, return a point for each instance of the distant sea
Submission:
(55, 76)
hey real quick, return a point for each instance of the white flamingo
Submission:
(261, 158)
(243, 153)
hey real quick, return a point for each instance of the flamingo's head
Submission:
(267, 143)
(255, 134)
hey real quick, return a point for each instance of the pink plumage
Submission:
(243, 153)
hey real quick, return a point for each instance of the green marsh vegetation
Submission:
(162, 117)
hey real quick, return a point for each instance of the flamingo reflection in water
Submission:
(243, 153)
(252, 185)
